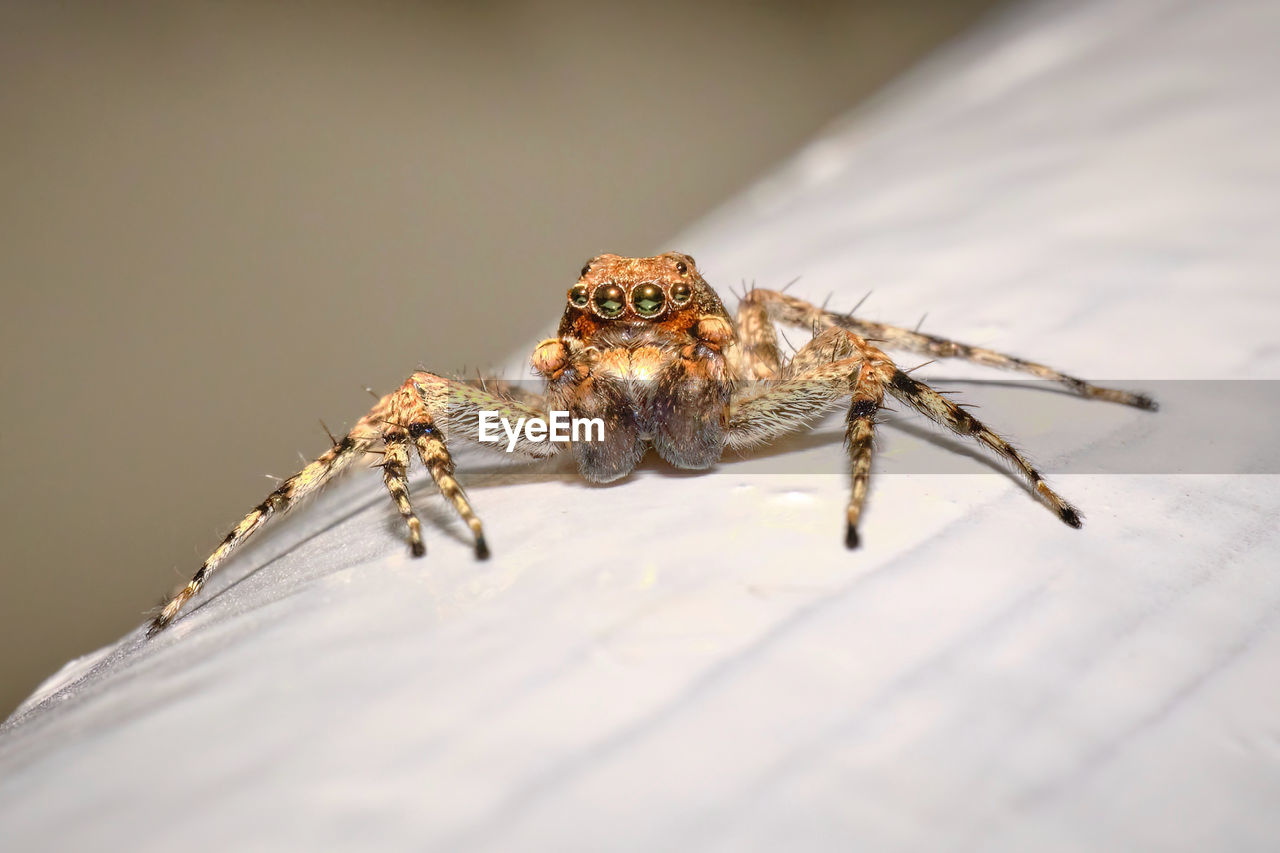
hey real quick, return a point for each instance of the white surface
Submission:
(1093, 184)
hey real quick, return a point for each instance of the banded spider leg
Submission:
(839, 361)
(422, 415)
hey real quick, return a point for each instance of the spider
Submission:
(646, 345)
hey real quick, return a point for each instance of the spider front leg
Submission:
(839, 362)
(425, 413)
(395, 474)
(797, 312)
(422, 402)
(833, 365)
(419, 414)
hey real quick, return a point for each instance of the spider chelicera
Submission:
(646, 346)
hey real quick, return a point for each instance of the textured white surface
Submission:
(694, 661)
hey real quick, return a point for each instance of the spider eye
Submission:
(648, 300)
(681, 293)
(610, 300)
(586, 268)
(578, 296)
(682, 267)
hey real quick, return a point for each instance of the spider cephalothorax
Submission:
(646, 346)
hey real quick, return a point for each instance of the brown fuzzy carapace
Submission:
(646, 348)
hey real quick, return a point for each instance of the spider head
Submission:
(611, 290)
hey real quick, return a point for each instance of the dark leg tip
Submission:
(418, 549)
(155, 627)
(1071, 517)
(482, 548)
(851, 537)
(1142, 401)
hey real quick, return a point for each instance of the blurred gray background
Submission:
(219, 222)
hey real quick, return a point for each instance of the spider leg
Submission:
(833, 365)
(435, 456)
(280, 501)
(940, 410)
(508, 390)
(419, 413)
(755, 354)
(395, 473)
(428, 409)
(860, 426)
(839, 362)
(797, 312)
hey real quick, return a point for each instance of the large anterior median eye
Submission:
(610, 300)
(648, 300)
(578, 296)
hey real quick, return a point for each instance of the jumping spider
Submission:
(646, 345)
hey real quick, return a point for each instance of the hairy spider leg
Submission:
(797, 312)
(839, 362)
(834, 365)
(285, 497)
(756, 354)
(435, 456)
(419, 413)
(940, 410)
(395, 474)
